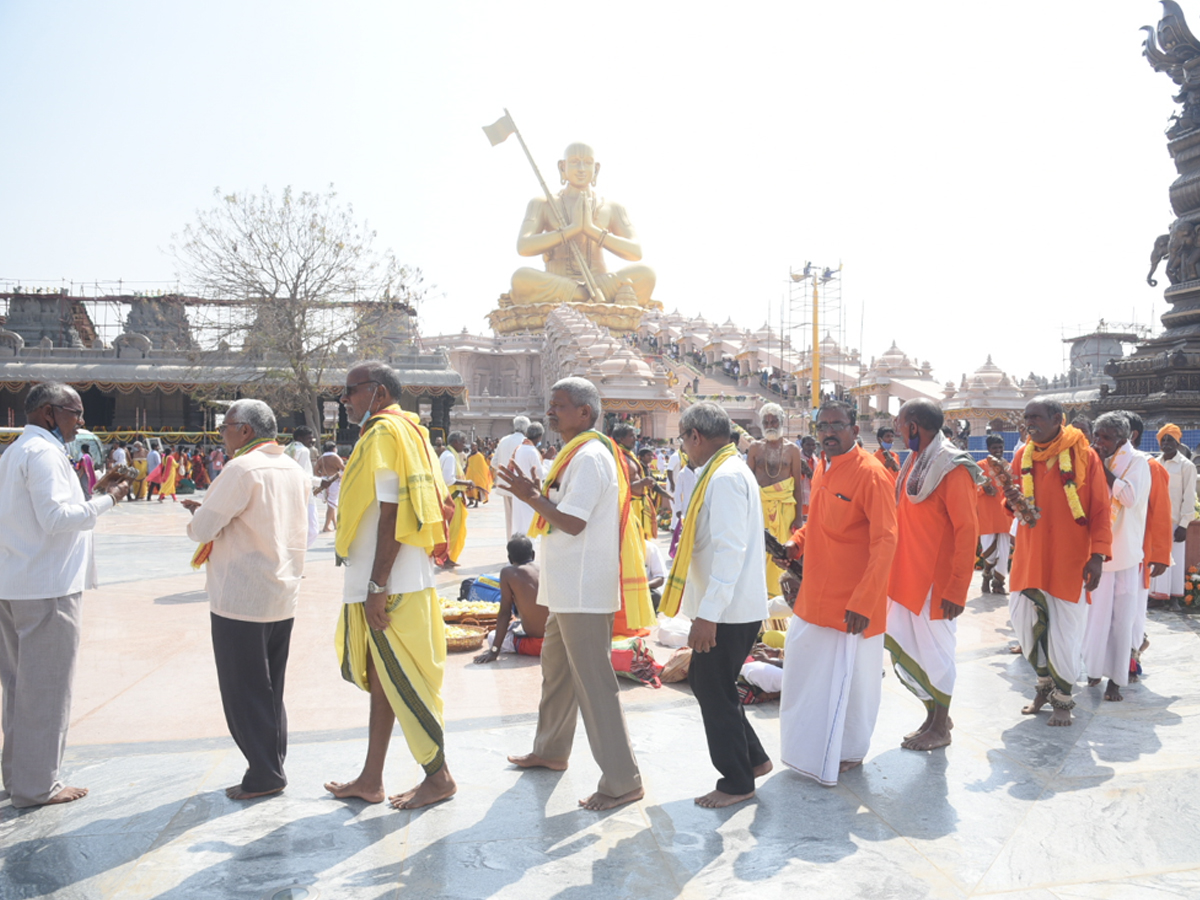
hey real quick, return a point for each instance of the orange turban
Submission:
(1173, 430)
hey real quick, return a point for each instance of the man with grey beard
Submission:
(779, 469)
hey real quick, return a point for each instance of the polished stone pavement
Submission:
(1012, 809)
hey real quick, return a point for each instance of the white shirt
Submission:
(303, 458)
(727, 580)
(449, 461)
(118, 456)
(685, 483)
(1183, 488)
(412, 570)
(582, 573)
(153, 460)
(503, 455)
(527, 460)
(1130, 494)
(45, 524)
(256, 515)
(655, 567)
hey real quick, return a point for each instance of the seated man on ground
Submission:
(522, 633)
(764, 670)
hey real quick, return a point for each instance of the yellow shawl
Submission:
(635, 596)
(673, 592)
(394, 440)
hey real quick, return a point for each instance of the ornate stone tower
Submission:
(1161, 379)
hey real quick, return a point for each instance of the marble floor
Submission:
(1012, 809)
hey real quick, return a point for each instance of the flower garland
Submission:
(1191, 586)
(1066, 470)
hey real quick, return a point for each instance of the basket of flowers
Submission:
(461, 638)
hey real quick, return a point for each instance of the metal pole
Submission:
(816, 349)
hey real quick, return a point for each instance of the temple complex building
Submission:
(151, 372)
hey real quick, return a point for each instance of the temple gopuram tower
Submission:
(1161, 379)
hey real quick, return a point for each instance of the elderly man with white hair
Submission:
(779, 470)
(505, 448)
(253, 528)
(46, 563)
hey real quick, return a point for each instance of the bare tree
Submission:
(295, 278)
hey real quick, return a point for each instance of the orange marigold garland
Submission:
(1066, 470)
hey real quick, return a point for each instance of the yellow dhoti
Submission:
(458, 528)
(779, 511)
(410, 657)
(138, 489)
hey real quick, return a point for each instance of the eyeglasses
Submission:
(350, 388)
(832, 426)
(225, 425)
(77, 413)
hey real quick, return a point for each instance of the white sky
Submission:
(990, 174)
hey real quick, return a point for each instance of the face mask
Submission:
(886, 445)
(914, 443)
(367, 415)
(57, 432)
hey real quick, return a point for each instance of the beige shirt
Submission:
(256, 515)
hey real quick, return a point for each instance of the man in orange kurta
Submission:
(935, 559)
(890, 459)
(995, 521)
(1059, 558)
(832, 686)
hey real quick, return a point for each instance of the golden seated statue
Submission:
(571, 238)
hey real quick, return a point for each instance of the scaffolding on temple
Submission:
(814, 320)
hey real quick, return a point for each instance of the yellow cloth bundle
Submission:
(396, 441)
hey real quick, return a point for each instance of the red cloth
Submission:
(528, 646)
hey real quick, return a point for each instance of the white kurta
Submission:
(832, 682)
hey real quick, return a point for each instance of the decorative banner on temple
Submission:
(165, 387)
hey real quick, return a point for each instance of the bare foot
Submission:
(529, 761)
(762, 769)
(847, 764)
(236, 793)
(1059, 717)
(929, 739)
(1016, 650)
(1113, 692)
(67, 794)
(434, 789)
(345, 790)
(1040, 699)
(1145, 644)
(1092, 682)
(601, 802)
(720, 799)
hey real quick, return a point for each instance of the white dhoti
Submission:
(1109, 639)
(313, 528)
(331, 494)
(1050, 631)
(764, 676)
(922, 651)
(995, 551)
(522, 517)
(831, 690)
(1170, 582)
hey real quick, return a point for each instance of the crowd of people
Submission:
(850, 554)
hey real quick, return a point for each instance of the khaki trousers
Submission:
(577, 677)
(39, 643)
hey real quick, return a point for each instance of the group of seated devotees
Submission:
(523, 631)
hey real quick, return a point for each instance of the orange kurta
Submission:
(890, 461)
(994, 515)
(1050, 556)
(936, 545)
(1160, 527)
(848, 543)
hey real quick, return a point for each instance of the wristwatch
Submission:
(373, 588)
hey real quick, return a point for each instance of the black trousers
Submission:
(251, 662)
(732, 744)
